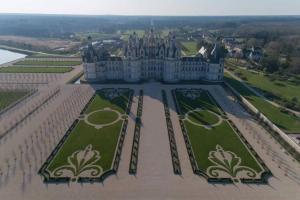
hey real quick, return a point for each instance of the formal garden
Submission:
(91, 148)
(285, 120)
(216, 148)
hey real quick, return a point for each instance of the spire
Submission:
(90, 41)
(215, 53)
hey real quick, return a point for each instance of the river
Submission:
(8, 56)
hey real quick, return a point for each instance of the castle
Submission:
(151, 57)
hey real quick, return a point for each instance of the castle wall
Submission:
(168, 70)
(171, 71)
(191, 70)
(150, 57)
(114, 70)
(89, 70)
(132, 70)
(215, 72)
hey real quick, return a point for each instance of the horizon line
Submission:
(125, 15)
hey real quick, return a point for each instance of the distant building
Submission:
(255, 54)
(151, 57)
(228, 40)
(235, 52)
(233, 46)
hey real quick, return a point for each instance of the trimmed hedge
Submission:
(136, 136)
(172, 141)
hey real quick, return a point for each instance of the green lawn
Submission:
(191, 104)
(104, 140)
(51, 56)
(139, 32)
(103, 117)
(205, 140)
(48, 63)
(8, 97)
(25, 69)
(283, 89)
(204, 117)
(95, 35)
(189, 47)
(285, 121)
(125, 35)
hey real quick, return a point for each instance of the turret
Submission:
(90, 41)
(215, 54)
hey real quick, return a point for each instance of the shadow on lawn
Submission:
(199, 117)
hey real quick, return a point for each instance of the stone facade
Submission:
(150, 57)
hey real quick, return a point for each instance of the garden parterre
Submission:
(217, 150)
(91, 150)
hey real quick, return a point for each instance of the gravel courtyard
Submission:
(22, 153)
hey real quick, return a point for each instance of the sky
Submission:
(153, 7)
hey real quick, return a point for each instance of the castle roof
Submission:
(151, 46)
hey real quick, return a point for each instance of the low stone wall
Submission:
(277, 133)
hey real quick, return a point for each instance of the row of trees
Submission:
(30, 154)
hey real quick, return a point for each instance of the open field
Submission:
(283, 120)
(288, 89)
(9, 97)
(94, 140)
(26, 69)
(47, 63)
(189, 47)
(96, 35)
(44, 44)
(125, 35)
(45, 55)
(139, 32)
(212, 136)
